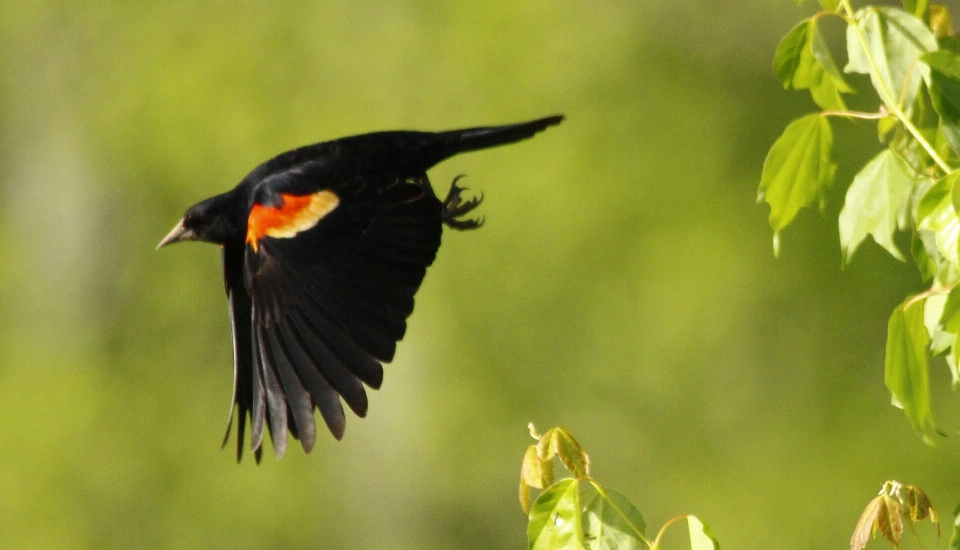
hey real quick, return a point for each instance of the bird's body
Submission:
(323, 250)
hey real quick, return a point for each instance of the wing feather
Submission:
(310, 321)
(397, 299)
(369, 308)
(331, 367)
(276, 399)
(258, 400)
(326, 398)
(244, 371)
(300, 404)
(380, 346)
(330, 302)
(240, 314)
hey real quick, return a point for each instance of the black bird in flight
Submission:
(323, 250)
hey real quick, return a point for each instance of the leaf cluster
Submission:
(908, 188)
(578, 513)
(887, 513)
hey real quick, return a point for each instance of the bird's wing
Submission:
(331, 276)
(247, 398)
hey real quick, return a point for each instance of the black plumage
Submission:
(324, 248)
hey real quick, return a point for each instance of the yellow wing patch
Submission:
(297, 213)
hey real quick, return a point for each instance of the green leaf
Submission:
(799, 169)
(950, 321)
(954, 367)
(925, 116)
(925, 253)
(896, 40)
(788, 59)
(932, 199)
(876, 204)
(916, 7)
(907, 369)
(535, 473)
(701, 537)
(830, 5)
(561, 443)
(936, 213)
(951, 132)
(933, 311)
(886, 125)
(926, 121)
(612, 522)
(803, 61)
(555, 522)
(950, 318)
(821, 52)
(940, 343)
(825, 90)
(955, 538)
(944, 84)
(950, 43)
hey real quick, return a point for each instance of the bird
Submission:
(323, 249)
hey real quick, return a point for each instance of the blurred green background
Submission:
(624, 285)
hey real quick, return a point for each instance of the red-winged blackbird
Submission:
(324, 248)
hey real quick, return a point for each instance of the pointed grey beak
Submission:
(178, 234)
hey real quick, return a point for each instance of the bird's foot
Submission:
(455, 208)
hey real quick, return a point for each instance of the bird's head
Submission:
(214, 220)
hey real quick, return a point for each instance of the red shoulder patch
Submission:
(297, 213)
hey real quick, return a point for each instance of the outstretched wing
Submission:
(245, 395)
(330, 277)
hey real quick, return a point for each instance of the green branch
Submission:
(857, 114)
(888, 97)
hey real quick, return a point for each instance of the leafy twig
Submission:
(887, 95)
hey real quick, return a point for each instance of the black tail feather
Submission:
(472, 139)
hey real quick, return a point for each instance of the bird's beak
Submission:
(179, 233)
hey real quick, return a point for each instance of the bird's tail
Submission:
(471, 139)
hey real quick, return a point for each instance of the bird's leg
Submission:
(455, 208)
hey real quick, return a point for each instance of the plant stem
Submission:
(887, 97)
(856, 114)
(671, 521)
(926, 294)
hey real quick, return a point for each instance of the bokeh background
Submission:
(624, 285)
